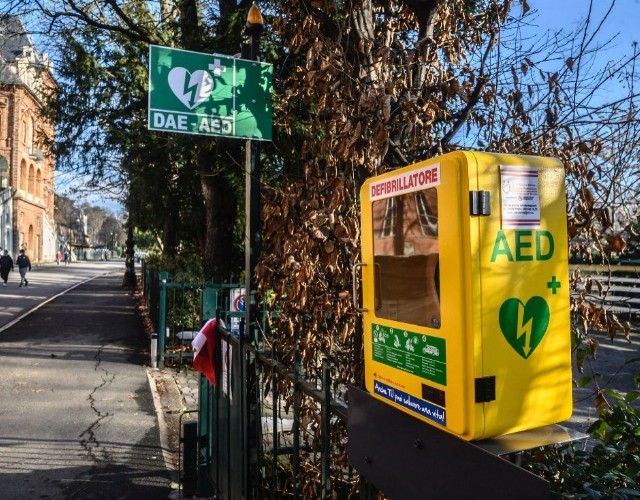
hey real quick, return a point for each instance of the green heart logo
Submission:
(524, 325)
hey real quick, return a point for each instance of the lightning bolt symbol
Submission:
(525, 329)
(191, 88)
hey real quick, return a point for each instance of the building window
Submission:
(23, 176)
(4, 173)
(30, 136)
(39, 183)
(32, 180)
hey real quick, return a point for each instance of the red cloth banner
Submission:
(204, 345)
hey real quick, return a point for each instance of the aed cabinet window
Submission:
(389, 220)
(406, 253)
(428, 220)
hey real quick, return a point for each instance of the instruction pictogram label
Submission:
(415, 353)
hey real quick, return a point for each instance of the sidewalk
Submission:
(175, 394)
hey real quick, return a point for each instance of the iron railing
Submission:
(265, 430)
(268, 427)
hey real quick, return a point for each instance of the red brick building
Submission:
(26, 166)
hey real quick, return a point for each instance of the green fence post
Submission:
(325, 468)
(162, 319)
(189, 477)
(297, 404)
(206, 400)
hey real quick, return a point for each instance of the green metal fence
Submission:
(178, 311)
(265, 430)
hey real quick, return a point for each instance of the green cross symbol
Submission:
(554, 284)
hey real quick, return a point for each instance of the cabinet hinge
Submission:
(485, 389)
(479, 203)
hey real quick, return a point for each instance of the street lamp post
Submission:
(250, 50)
(253, 30)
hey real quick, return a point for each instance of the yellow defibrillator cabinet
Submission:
(465, 292)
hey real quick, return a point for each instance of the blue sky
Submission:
(622, 23)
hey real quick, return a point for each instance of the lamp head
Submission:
(255, 23)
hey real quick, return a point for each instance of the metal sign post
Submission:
(217, 95)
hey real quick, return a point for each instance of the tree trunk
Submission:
(169, 230)
(220, 220)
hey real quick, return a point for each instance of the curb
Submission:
(164, 429)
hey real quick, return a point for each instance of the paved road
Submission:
(45, 282)
(77, 418)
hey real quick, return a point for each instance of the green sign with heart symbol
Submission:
(209, 94)
(524, 325)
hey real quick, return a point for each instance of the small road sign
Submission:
(208, 94)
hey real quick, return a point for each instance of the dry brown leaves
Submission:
(361, 99)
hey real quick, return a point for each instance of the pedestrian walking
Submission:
(6, 265)
(58, 257)
(24, 265)
(66, 258)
